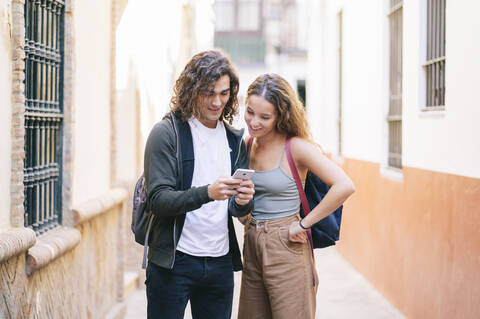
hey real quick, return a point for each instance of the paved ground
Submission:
(342, 294)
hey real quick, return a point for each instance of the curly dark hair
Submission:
(200, 73)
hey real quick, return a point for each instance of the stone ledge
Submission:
(99, 205)
(50, 246)
(15, 241)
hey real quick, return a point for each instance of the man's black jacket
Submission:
(170, 195)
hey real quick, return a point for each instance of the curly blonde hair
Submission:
(292, 118)
(200, 73)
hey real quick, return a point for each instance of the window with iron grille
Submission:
(435, 59)
(43, 113)
(238, 30)
(394, 117)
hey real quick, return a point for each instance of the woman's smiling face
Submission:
(260, 116)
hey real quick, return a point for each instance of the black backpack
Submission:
(142, 217)
(325, 232)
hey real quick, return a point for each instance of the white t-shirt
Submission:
(205, 232)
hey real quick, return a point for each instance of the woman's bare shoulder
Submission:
(304, 151)
(301, 145)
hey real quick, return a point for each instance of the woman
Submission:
(279, 273)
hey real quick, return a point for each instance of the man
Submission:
(193, 248)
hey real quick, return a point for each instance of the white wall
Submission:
(315, 73)
(363, 103)
(442, 141)
(204, 24)
(126, 131)
(445, 141)
(6, 112)
(151, 35)
(363, 100)
(91, 164)
(148, 40)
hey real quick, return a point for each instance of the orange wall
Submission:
(417, 241)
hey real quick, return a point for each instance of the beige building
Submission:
(78, 96)
(61, 214)
(264, 36)
(392, 96)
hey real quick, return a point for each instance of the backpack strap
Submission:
(179, 184)
(303, 197)
(249, 143)
(147, 235)
(293, 169)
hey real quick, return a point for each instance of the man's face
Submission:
(213, 101)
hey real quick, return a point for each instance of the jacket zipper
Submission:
(174, 240)
(238, 154)
(180, 176)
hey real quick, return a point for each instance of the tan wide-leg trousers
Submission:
(278, 275)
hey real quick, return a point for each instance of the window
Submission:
(238, 30)
(237, 15)
(394, 117)
(43, 113)
(435, 59)
(224, 15)
(248, 15)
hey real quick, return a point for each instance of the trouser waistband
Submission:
(274, 223)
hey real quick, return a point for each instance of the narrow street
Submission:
(388, 89)
(343, 293)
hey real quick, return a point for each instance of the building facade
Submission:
(82, 83)
(61, 215)
(391, 91)
(264, 36)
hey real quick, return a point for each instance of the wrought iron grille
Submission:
(395, 97)
(44, 21)
(435, 64)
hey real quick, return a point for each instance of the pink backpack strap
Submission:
(303, 197)
(293, 168)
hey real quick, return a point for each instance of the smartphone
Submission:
(243, 173)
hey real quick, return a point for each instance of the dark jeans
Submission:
(206, 281)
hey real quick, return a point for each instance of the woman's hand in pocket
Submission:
(296, 233)
(243, 219)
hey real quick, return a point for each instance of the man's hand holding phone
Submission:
(223, 188)
(239, 184)
(245, 190)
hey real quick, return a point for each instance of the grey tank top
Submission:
(276, 194)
